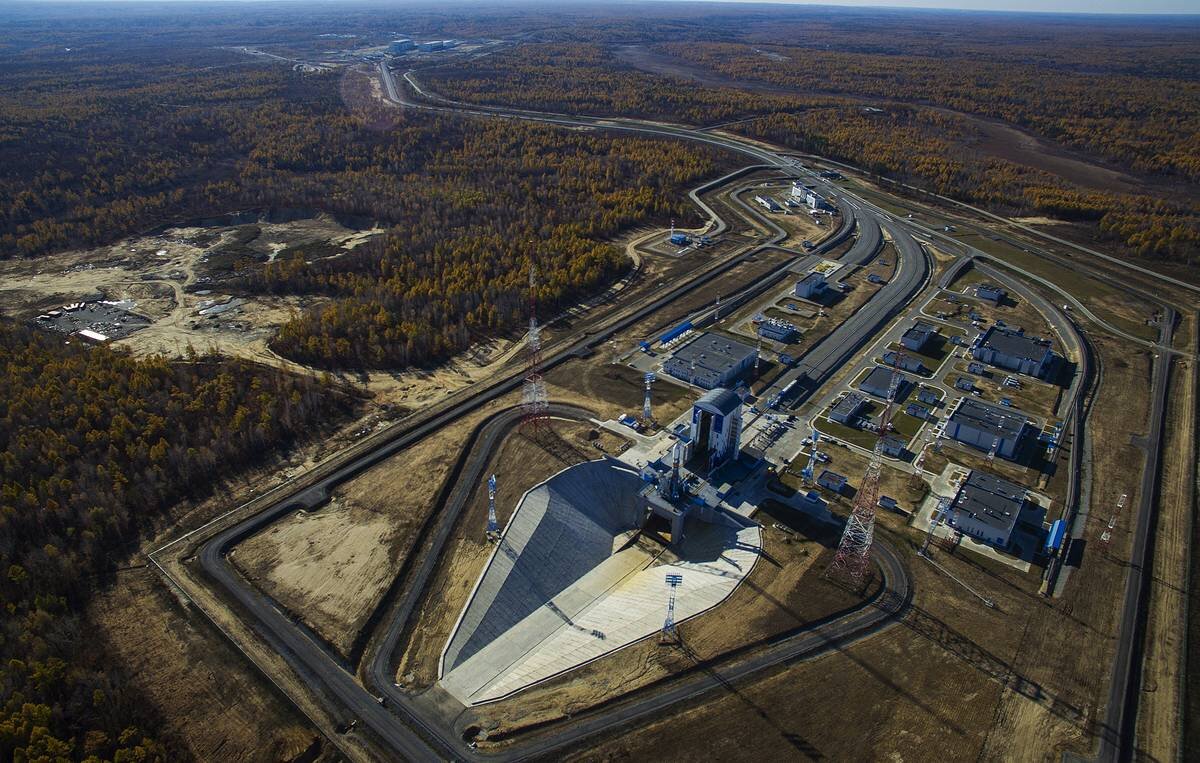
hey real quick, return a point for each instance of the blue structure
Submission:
(1058, 531)
(676, 332)
(679, 239)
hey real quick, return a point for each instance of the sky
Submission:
(1040, 6)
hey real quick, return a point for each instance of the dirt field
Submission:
(206, 693)
(1160, 719)
(612, 389)
(331, 567)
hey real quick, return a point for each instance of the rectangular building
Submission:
(919, 336)
(832, 481)
(811, 286)
(848, 408)
(982, 425)
(991, 292)
(987, 507)
(879, 381)
(905, 362)
(1013, 350)
(710, 361)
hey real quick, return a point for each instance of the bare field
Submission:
(613, 389)
(331, 567)
(211, 700)
(1160, 706)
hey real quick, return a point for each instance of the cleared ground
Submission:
(331, 567)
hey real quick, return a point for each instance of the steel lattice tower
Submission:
(493, 527)
(669, 636)
(853, 556)
(534, 400)
(646, 412)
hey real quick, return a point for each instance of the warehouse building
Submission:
(905, 362)
(711, 361)
(879, 381)
(811, 286)
(1013, 350)
(893, 447)
(987, 507)
(848, 408)
(991, 292)
(919, 336)
(981, 425)
(832, 481)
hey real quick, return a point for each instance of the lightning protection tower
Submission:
(852, 559)
(534, 399)
(940, 513)
(493, 527)
(807, 472)
(669, 635)
(648, 379)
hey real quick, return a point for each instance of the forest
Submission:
(94, 446)
(931, 147)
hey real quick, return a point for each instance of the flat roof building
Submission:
(983, 425)
(879, 381)
(710, 361)
(832, 481)
(991, 292)
(1013, 350)
(905, 362)
(716, 427)
(893, 446)
(810, 286)
(779, 330)
(928, 395)
(919, 336)
(848, 408)
(987, 507)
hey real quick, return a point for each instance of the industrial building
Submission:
(985, 426)
(680, 239)
(770, 204)
(991, 292)
(710, 361)
(848, 408)
(987, 507)
(892, 447)
(928, 396)
(919, 336)
(779, 330)
(879, 381)
(1013, 350)
(811, 286)
(401, 46)
(716, 427)
(905, 362)
(917, 411)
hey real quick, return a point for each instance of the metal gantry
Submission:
(648, 380)
(669, 635)
(493, 527)
(807, 472)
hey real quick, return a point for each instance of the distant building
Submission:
(679, 239)
(919, 336)
(401, 46)
(917, 411)
(879, 381)
(906, 362)
(770, 204)
(991, 292)
(987, 507)
(979, 424)
(892, 446)
(812, 285)
(716, 427)
(928, 396)
(848, 408)
(832, 481)
(710, 361)
(1013, 350)
(965, 383)
(432, 45)
(817, 203)
(780, 331)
